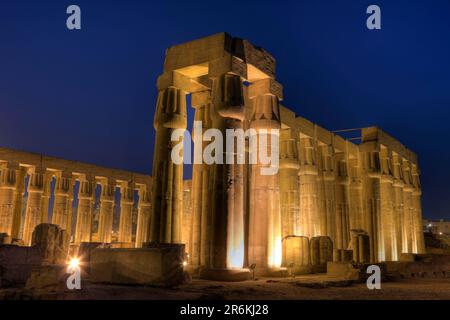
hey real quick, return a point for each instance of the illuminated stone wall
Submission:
(364, 195)
(329, 193)
(52, 180)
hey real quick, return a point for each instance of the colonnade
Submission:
(30, 195)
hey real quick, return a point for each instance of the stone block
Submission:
(53, 243)
(321, 250)
(343, 270)
(84, 253)
(48, 278)
(158, 266)
(16, 264)
(360, 245)
(296, 255)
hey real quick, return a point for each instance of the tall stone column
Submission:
(84, 211)
(289, 185)
(372, 192)
(18, 199)
(265, 244)
(327, 178)
(167, 192)
(201, 215)
(227, 180)
(126, 213)
(33, 215)
(388, 221)
(62, 208)
(144, 211)
(417, 217)
(48, 176)
(398, 186)
(357, 219)
(106, 214)
(8, 185)
(342, 202)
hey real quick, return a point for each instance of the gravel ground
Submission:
(314, 287)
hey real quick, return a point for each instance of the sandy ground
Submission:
(312, 287)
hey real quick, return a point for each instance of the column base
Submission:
(278, 272)
(272, 272)
(225, 274)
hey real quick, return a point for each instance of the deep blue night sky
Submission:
(90, 95)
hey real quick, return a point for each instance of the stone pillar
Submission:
(398, 186)
(33, 215)
(356, 209)
(167, 192)
(419, 241)
(18, 199)
(417, 217)
(327, 178)
(62, 207)
(265, 243)
(106, 214)
(373, 204)
(342, 202)
(199, 251)
(227, 179)
(8, 185)
(388, 226)
(45, 201)
(84, 211)
(289, 185)
(144, 211)
(126, 213)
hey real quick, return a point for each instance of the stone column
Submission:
(18, 199)
(33, 215)
(388, 226)
(126, 213)
(308, 175)
(417, 217)
(342, 202)
(265, 243)
(199, 245)
(46, 196)
(289, 185)
(106, 214)
(398, 186)
(8, 185)
(62, 207)
(327, 177)
(227, 180)
(84, 211)
(167, 192)
(144, 211)
(372, 194)
(356, 210)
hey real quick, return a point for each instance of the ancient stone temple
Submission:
(328, 192)
(330, 197)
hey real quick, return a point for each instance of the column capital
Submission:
(126, 192)
(86, 190)
(171, 109)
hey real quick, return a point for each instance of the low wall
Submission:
(16, 264)
(161, 266)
